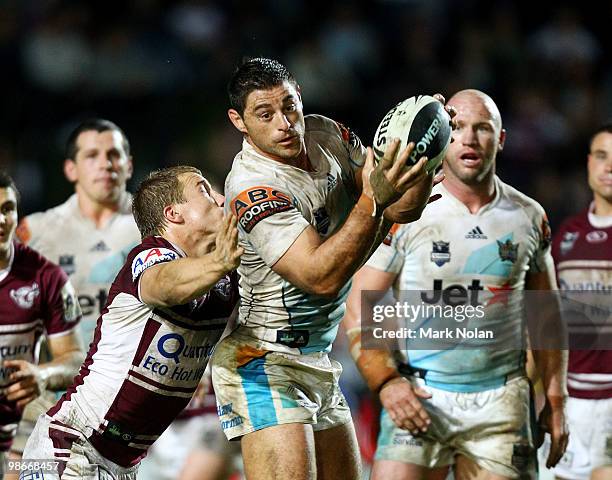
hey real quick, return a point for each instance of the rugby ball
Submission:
(422, 120)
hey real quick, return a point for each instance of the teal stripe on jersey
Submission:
(258, 394)
(106, 270)
(486, 260)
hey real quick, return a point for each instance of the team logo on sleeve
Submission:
(24, 297)
(568, 241)
(257, 203)
(546, 238)
(72, 311)
(150, 257)
(508, 250)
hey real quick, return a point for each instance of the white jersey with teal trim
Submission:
(482, 256)
(274, 203)
(91, 256)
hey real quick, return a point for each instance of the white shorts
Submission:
(590, 440)
(76, 458)
(257, 389)
(492, 428)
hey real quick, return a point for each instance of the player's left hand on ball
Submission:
(452, 111)
(28, 382)
(553, 421)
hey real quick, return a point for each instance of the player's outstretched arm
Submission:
(323, 267)
(551, 365)
(397, 395)
(30, 381)
(180, 281)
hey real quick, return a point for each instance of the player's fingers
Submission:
(422, 393)
(369, 161)
(390, 152)
(18, 364)
(440, 98)
(420, 416)
(415, 174)
(18, 393)
(24, 401)
(399, 165)
(439, 177)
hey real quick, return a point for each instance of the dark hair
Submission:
(255, 74)
(97, 124)
(6, 181)
(160, 189)
(606, 128)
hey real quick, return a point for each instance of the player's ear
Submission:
(502, 139)
(130, 168)
(70, 170)
(237, 121)
(173, 214)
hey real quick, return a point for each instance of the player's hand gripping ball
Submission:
(422, 120)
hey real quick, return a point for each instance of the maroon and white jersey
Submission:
(145, 362)
(583, 254)
(36, 298)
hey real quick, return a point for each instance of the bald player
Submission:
(468, 409)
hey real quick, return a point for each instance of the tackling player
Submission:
(464, 407)
(166, 309)
(36, 301)
(583, 254)
(306, 225)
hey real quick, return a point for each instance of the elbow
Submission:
(327, 289)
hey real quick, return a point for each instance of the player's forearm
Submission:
(59, 373)
(377, 367)
(336, 259)
(180, 281)
(552, 368)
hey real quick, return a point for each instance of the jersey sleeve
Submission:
(389, 256)
(268, 220)
(146, 255)
(357, 152)
(61, 305)
(542, 260)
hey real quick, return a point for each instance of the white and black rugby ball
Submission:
(422, 120)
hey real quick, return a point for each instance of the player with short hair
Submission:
(481, 241)
(582, 249)
(90, 234)
(304, 199)
(166, 309)
(36, 301)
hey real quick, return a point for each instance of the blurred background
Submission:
(159, 69)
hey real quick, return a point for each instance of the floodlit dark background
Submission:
(159, 68)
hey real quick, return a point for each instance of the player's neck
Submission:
(475, 196)
(97, 212)
(5, 256)
(603, 207)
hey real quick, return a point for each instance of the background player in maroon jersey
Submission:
(583, 254)
(36, 299)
